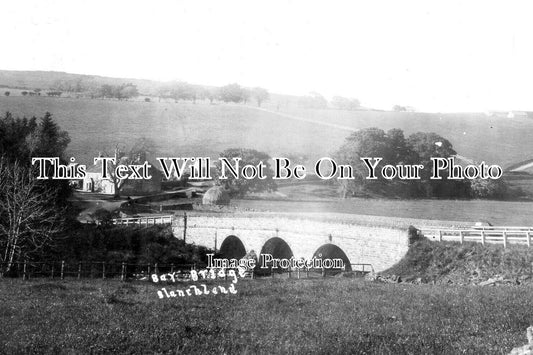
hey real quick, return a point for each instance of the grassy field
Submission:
(187, 129)
(474, 135)
(183, 129)
(496, 212)
(333, 315)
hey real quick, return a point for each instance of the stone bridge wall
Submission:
(380, 246)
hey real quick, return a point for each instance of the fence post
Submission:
(440, 235)
(528, 239)
(172, 268)
(79, 270)
(462, 238)
(184, 227)
(53, 264)
(24, 276)
(504, 239)
(62, 269)
(298, 273)
(123, 271)
(156, 269)
(483, 237)
(323, 271)
(103, 270)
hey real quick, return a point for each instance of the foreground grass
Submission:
(266, 316)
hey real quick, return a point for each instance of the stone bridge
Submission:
(298, 235)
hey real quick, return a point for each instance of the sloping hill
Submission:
(48, 79)
(445, 262)
(283, 128)
(183, 129)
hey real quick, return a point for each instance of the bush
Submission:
(137, 245)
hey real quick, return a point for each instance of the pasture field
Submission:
(176, 129)
(332, 315)
(495, 140)
(186, 129)
(508, 213)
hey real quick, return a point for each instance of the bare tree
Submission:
(260, 95)
(28, 217)
(138, 154)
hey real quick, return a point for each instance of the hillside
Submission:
(48, 79)
(187, 129)
(468, 263)
(183, 129)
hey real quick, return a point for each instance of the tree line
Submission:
(396, 149)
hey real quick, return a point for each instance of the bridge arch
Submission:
(232, 248)
(332, 251)
(278, 248)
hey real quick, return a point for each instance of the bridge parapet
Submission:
(301, 236)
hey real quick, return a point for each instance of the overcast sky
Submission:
(432, 55)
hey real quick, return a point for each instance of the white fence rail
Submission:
(147, 220)
(497, 235)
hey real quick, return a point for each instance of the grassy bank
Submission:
(333, 315)
(445, 262)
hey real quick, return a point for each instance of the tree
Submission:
(431, 145)
(121, 92)
(314, 101)
(427, 145)
(232, 93)
(209, 93)
(126, 91)
(138, 154)
(371, 143)
(260, 95)
(241, 186)
(47, 139)
(28, 218)
(184, 91)
(343, 103)
(399, 108)
(31, 211)
(488, 188)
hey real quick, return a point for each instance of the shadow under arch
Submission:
(232, 248)
(278, 248)
(331, 251)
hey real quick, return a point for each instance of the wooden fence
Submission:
(497, 235)
(146, 220)
(124, 271)
(93, 269)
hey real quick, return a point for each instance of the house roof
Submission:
(97, 168)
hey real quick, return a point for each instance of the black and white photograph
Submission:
(266, 177)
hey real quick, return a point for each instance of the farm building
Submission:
(93, 182)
